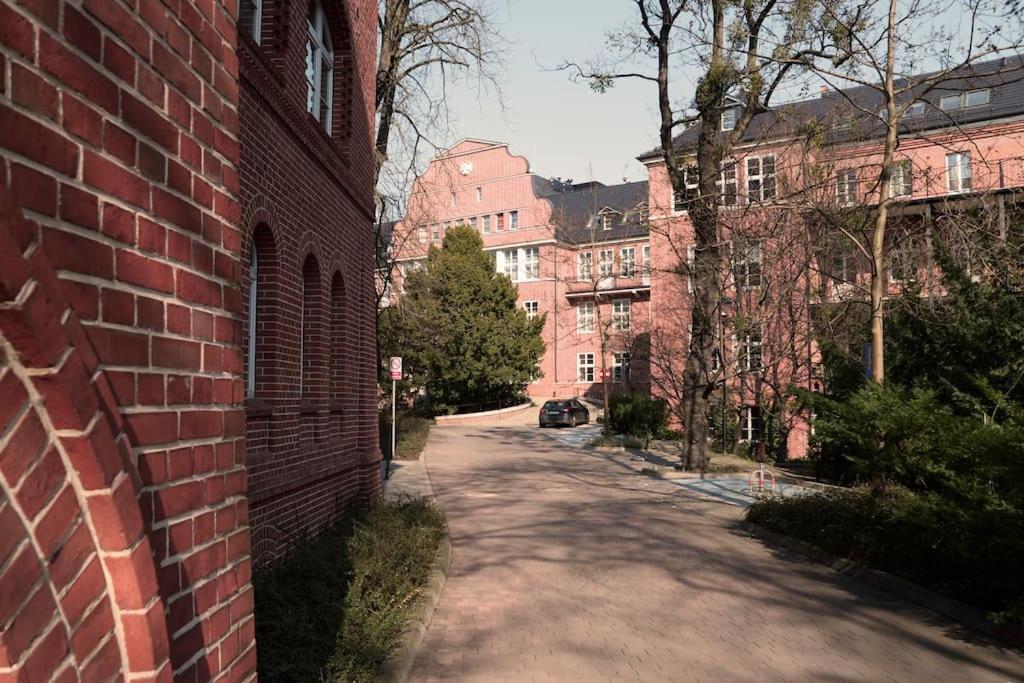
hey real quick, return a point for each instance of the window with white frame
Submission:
(845, 265)
(453, 200)
(914, 110)
(250, 17)
(620, 367)
(606, 263)
(532, 309)
(531, 263)
(487, 224)
(729, 118)
(627, 261)
(585, 266)
(761, 178)
(903, 262)
(584, 367)
(608, 220)
(846, 187)
(510, 265)
(976, 98)
(435, 232)
(421, 233)
(479, 194)
(747, 257)
(621, 315)
(750, 423)
(319, 67)
(501, 222)
(681, 200)
(958, 171)
(513, 220)
(947, 102)
(750, 352)
(971, 98)
(727, 188)
(646, 251)
(585, 317)
(900, 182)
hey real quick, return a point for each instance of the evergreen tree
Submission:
(459, 330)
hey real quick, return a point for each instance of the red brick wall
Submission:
(307, 206)
(124, 542)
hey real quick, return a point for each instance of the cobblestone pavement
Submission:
(568, 566)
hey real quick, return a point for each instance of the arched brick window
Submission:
(312, 351)
(338, 341)
(261, 278)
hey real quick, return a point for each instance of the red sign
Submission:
(396, 367)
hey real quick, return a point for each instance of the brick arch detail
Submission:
(70, 475)
(310, 245)
(259, 212)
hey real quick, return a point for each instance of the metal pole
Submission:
(391, 454)
(721, 367)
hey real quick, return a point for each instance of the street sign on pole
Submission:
(396, 374)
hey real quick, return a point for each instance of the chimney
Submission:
(824, 90)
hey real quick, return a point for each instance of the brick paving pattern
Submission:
(568, 566)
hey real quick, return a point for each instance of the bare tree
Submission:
(424, 47)
(723, 41)
(881, 46)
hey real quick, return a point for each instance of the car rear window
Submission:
(556, 404)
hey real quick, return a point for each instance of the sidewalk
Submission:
(408, 479)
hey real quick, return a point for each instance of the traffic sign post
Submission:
(396, 374)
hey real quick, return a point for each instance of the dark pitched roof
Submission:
(573, 210)
(1004, 77)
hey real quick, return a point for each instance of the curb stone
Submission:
(950, 608)
(398, 666)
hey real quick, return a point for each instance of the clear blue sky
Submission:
(565, 129)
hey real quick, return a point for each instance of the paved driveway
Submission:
(567, 566)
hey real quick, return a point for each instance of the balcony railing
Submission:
(614, 283)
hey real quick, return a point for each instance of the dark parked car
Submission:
(570, 413)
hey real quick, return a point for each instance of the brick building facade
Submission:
(307, 216)
(125, 220)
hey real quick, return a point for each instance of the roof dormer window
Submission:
(971, 98)
(729, 118)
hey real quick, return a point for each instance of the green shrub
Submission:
(410, 436)
(972, 554)
(885, 435)
(393, 551)
(638, 415)
(334, 610)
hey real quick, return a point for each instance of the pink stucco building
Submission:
(592, 257)
(577, 254)
(961, 149)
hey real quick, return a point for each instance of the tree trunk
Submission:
(878, 263)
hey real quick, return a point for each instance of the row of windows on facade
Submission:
(261, 293)
(761, 181)
(319, 55)
(482, 224)
(951, 102)
(520, 264)
(586, 367)
(621, 320)
(628, 264)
